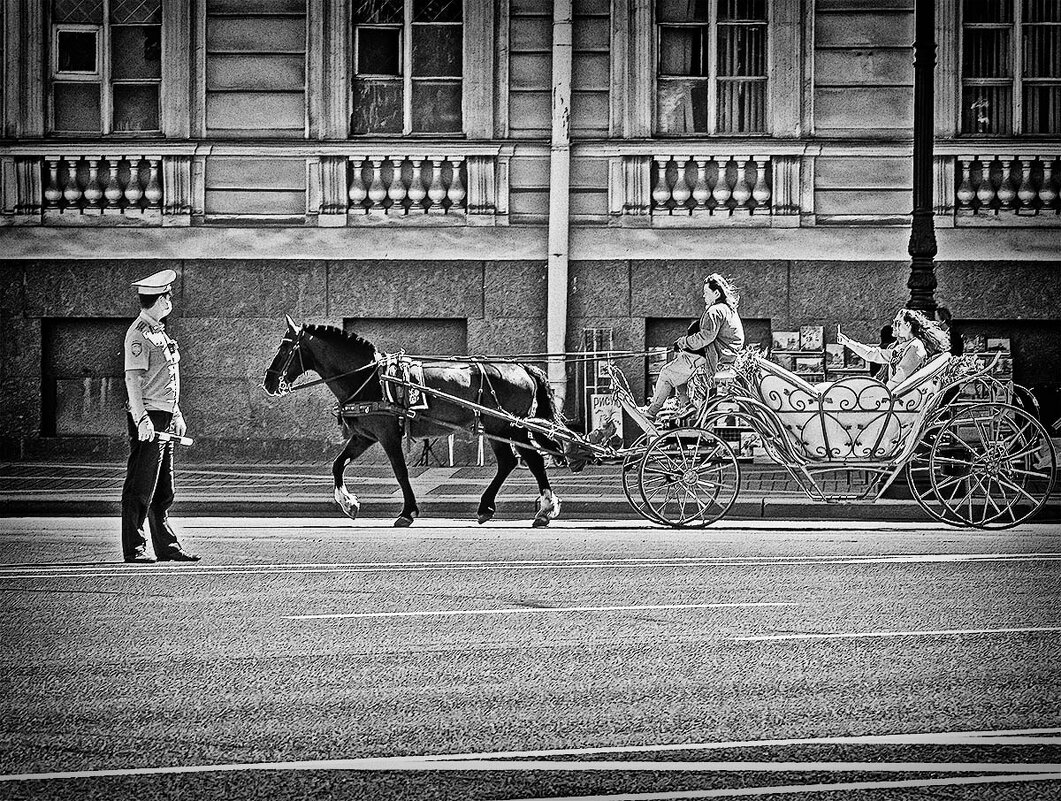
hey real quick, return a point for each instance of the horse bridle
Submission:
(282, 386)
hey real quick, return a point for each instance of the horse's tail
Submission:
(545, 403)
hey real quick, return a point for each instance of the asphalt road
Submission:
(315, 659)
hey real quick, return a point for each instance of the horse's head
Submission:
(288, 363)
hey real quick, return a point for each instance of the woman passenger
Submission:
(917, 340)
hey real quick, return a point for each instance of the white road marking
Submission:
(882, 634)
(534, 610)
(797, 789)
(981, 737)
(1010, 771)
(502, 760)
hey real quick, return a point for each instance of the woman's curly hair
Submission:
(727, 292)
(935, 339)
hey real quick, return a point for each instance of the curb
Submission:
(456, 509)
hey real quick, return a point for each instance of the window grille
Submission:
(408, 67)
(711, 66)
(105, 66)
(1011, 67)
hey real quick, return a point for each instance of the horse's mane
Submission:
(359, 346)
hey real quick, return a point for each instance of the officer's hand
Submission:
(146, 429)
(179, 426)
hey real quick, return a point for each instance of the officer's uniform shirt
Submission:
(148, 347)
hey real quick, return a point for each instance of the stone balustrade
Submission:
(407, 185)
(1000, 185)
(126, 184)
(722, 185)
(703, 188)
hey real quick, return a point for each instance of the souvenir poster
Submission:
(834, 355)
(785, 340)
(603, 411)
(808, 364)
(974, 343)
(854, 360)
(998, 343)
(786, 360)
(748, 441)
(811, 337)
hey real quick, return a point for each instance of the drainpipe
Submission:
(559, 200)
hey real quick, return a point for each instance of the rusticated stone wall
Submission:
(61, 326)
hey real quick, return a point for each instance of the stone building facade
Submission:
(390, 168)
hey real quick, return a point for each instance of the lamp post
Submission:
(922, 247)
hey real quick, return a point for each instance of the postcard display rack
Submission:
(984, 350)
(806, 354)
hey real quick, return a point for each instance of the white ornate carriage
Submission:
(972, 455)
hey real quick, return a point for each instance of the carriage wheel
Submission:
(631, 464)
(919, 474)
(982, 466)
(689, 478)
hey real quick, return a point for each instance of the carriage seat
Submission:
(855, 418)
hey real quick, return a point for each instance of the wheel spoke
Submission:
(950, 460)
(942, 485)
(985, 436)
(1020, 490)
(1042, 473)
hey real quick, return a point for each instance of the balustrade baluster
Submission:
(1007, 193)
(396, 191)
(357, 193)
(1026, 194)
(456, 191)
(93, 191)
(681, 192)
(72, 191)
(985, 192)
(153, 190)
(134, 192)
(1047, 193)
(742, 193)
(701, 191)
(721, 192)
(112, 191)
(761, 191)
(52, 193)
(417, 190)
(661, 192)
(377, 192)
(964, 192)
(436, 192)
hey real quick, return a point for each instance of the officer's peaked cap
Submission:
(156, 284)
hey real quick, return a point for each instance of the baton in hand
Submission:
(166, 437)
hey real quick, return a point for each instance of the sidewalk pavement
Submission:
(305, 490)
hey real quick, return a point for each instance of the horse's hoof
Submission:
(482, 517)
(540, 522)
(404, 521)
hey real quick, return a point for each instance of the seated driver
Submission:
(713, 341)
(917, 340)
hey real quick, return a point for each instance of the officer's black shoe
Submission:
(140, 558)
(179, 556)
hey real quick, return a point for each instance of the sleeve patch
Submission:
(136, 348)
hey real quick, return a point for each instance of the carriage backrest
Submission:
(855, 418)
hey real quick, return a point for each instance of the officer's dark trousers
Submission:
(148, 491)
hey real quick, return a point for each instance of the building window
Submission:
(408, 67)
(711, 66)
(105, 66)
(1011, 67)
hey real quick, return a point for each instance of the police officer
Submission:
(152, 379)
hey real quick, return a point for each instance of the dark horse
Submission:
(349, 366)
